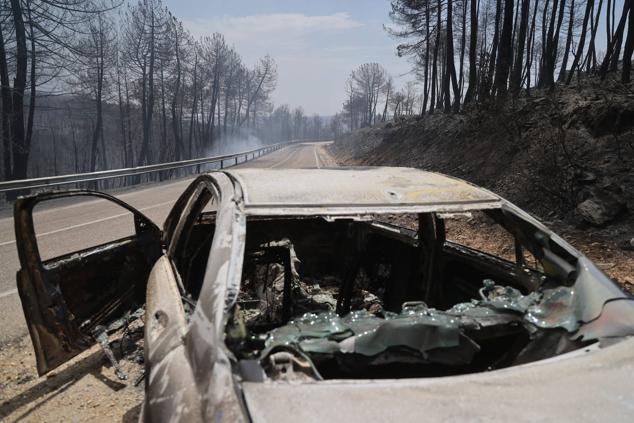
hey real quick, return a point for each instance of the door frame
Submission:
(46, 312)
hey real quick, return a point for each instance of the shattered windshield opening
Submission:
(359, 298)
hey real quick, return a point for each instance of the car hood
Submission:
(592, 384)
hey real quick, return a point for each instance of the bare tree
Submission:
(34, 50)
(505, 53)
(450, 68)
(145, 25)
(473, 47)
(629, 45)
(516, 73)
(95, 59)
(571, 24)
(611, 58)
(369, 80)
(582, 39)
(387, 90)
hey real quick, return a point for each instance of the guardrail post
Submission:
(222, 162)
(236, 160)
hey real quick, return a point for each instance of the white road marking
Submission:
(316, 156)
(92, 222)
(290, 155)
(8, 293)
(131, 192)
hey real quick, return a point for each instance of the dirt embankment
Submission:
(566, 156)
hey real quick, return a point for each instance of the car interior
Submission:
(298, 267)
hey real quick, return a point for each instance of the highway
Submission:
(69, 226)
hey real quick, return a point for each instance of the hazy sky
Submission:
(316, 43)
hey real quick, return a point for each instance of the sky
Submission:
(316, 43)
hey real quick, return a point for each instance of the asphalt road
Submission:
(68, 226)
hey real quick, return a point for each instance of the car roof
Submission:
(355, 189)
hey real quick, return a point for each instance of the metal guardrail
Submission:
(139, 170)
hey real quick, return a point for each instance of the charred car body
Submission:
(274, 287)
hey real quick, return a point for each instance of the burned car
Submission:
(300, 295)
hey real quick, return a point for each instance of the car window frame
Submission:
(26, 235)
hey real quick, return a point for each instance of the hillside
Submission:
(566, 156)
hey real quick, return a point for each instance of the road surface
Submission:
(71, 226)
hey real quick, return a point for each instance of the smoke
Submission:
(242, 140)
(238, 142)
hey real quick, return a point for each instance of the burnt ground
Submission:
(548, 153)
(84, 389)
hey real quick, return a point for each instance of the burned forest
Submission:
(467, 54)
(282, 211)
(96, 85)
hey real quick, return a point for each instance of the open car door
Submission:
(68, 299)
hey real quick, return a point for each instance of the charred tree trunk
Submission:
(530, 52)
(387, 101)
(555, 43)
(629, 46)
(32, 94)
(564, 62)
(176, 119)
(488, 82)
(450, 69)
(546, 77)
(19, 141)
(122, 120)
(608, 23)
(194, 108)
(54, 142)
(611, 55)
(446, 81)
(164, 153)
(98, 101)
(582, 41)
(627, 4)
(426, 74)
(463, 42)
(98, 123)
(74, 140)
(505, 52)
(544, 45)
(516, 75)
(148, 103)
(129, 145)
(591, 57)
(434, 71)
(7, 109)
(473, 45)
(104, 155)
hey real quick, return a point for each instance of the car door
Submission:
(69, 298)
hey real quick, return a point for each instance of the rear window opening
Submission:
(345, 298)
